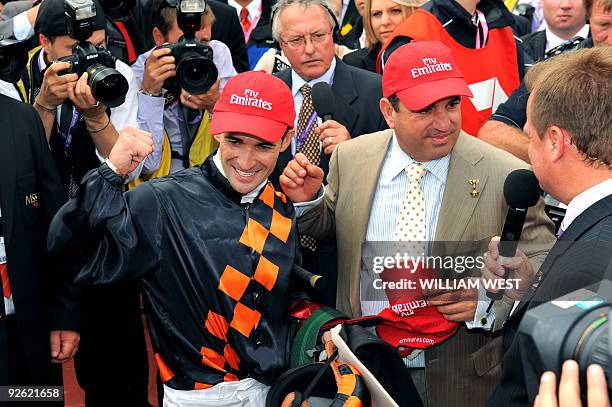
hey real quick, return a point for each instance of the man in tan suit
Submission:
(368, 187)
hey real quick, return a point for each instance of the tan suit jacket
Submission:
(463, 370)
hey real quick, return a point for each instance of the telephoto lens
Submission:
(196, 73)
(107, 85)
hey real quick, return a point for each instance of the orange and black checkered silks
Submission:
(248, 309)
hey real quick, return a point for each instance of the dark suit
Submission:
(580, 258)
(535, 45)
(261, 36)
(357, 93)
(227, 29)
(30, 194)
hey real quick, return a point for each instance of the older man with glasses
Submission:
(305, 30)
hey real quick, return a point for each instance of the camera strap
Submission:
(187, 137)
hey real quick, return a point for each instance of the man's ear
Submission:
(158, 37)
(387, 111)
(286, 140)
(558, 146)
(45, 43)
(218, 137)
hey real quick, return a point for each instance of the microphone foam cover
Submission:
(323, 99)
(522, 189)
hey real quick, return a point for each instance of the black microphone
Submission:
(323, 101)
(521, 191)
(313, 280)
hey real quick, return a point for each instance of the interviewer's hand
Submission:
(331, 133)
(569, 388)
(64, 345)
(301, 180)
(519, 266)
(132, 146)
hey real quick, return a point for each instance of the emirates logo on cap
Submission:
(250, 98)
(430, 66)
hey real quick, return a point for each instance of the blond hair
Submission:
(367, 18)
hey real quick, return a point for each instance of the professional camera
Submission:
(575, 326)
(119, 10)
(13, 59)
(195, 69)
(107, 84)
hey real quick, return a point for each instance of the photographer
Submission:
(75, 123)
(569, 388)
(177, 115)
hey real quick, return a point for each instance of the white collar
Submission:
(584, 200)
(297, 82)
(254, 8)
(246, 198)
(41, 60)
(552, 40)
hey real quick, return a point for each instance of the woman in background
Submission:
(380, 18)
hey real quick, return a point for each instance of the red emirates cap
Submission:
(254, 103)
(421, 73)
(409, 322)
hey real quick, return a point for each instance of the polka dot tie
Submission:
(410, 223)
(310, 146)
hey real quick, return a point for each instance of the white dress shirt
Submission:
(584, 200)
(552, 40)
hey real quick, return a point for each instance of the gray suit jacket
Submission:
(10, 10)
(463, 370)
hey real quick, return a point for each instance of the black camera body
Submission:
(195, 70)
(574, 326)
(107, 84)
(13, 60)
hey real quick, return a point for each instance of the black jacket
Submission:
(30, 195)
(364, 58)
(215, 273)
(227, 30)
(581, 257)
(535, 45)
(261, 36)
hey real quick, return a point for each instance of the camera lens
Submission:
(108, 85)
(588, 342)
(196, 74)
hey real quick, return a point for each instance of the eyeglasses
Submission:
(300, 42)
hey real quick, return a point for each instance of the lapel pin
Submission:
(474, 183)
